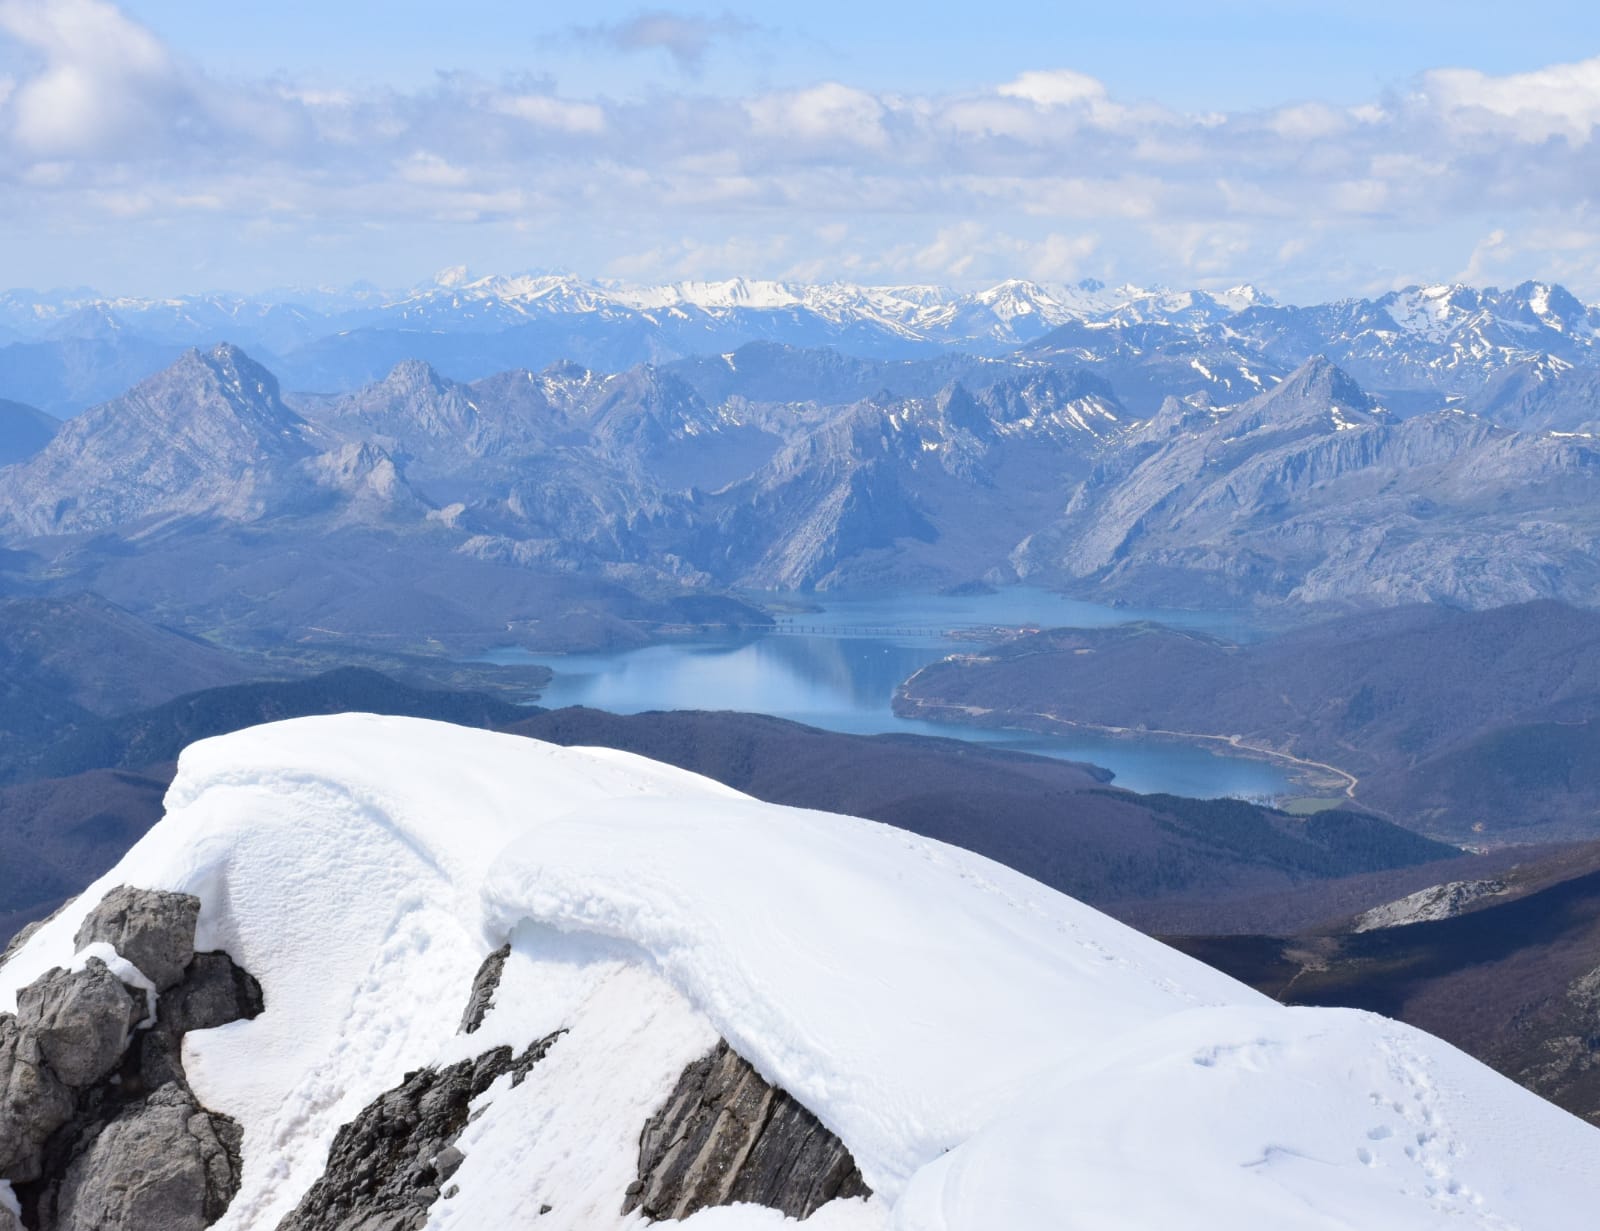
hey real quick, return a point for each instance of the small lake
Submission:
(837, 668)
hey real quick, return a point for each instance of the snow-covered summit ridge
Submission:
(919, 308)
(1425, 333)
(993, 1053)
(1440, 312)
(458, 299)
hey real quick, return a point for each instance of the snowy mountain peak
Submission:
(1238, 298)
(1444, 337)
(234, 371)
(729, 293)
(93, 320)
(990, 1053)
(1443, 312)
(1556, 308)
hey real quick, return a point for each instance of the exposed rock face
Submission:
(33, 1102)
(484, 984)
(162, 1162)
(208, 435)
(99, 1130)
(725, 1135)
(154, 931)
(1426, 905)
(387, 1166)
(213, 993)
(82, 1020)
(1297, 495)
(1565, 1066)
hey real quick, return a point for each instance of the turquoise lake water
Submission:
(837, 668)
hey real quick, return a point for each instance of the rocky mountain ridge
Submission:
(1310, 493)
(208, 435)
(726, 473)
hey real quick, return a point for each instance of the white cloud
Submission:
(431, 171)
(971, 252)
(1059, 87)
(103, 79)
(995, 117)
(555, 113)
(1063, 95)
(1204, 250)
(1363, 196)
(1079, 197)
(1047, 171)
(952, 252)
(1491, 251)
(1309, 122)
(691, 259)
(1560, 101)
(822, 115)
(1062, 258)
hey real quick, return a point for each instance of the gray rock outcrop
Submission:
(1427, 905)
(163, 1162)
(34, 1102)
(82, 1020)
(209, 434)
(99, 1130)
(484, 985)
(151, 929)
(726, 1135)
(388, 1166)
(213, 993)
(98, 1127)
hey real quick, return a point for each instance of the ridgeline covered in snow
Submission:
(887, 1032)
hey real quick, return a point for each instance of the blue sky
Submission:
(1317, 150)
(1243, 53)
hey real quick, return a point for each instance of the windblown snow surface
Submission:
(998, 1057)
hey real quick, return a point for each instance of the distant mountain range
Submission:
(1313, 492)
(777, 468)
(63, 351)
(1431, 445)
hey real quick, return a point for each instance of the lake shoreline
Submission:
(1315, 777)
(840, 667)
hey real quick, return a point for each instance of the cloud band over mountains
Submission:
(1048, 174)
